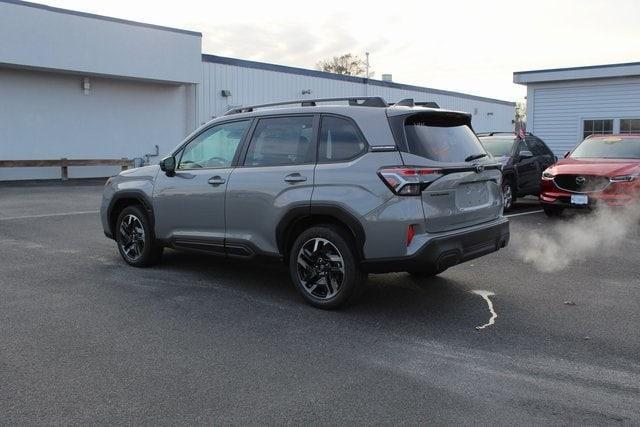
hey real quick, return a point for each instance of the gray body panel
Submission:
(259, 197)
(188, 208)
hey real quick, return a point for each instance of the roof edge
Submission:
(354, 79)
(100, 17)
(585, 67)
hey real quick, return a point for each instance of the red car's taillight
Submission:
(408, 181)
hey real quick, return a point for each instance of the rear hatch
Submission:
(462, 186)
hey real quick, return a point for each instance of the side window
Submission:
(215, 147)
(522, 146)
(281, 141)
(339, 140)
(535, 146)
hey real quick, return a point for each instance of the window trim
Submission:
(242, 158)
(365, 150)
(178, 152)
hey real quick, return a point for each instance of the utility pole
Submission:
(366, 54)
(366, 82)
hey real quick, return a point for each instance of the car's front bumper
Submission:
(448, 249)
(618, 194)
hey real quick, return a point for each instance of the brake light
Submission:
(408, 181)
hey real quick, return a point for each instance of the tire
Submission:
(552, 211)
(133, 226)
(324, 267)
(508, 194)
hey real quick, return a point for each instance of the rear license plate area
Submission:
(472, 195)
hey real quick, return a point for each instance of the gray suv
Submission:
(335, 191)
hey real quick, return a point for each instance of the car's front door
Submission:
(189, 205)
(543, 154)
(526, 167)
(276, 174)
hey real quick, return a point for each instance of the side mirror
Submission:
(567, 154)
(525, 154)
(168, 165)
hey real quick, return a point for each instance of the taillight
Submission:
(408, 181)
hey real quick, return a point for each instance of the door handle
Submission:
(295, 177)
(216, 180)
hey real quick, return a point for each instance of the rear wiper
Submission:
(475, 157)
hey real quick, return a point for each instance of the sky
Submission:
(470, 46)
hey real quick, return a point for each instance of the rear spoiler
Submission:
(409, 102)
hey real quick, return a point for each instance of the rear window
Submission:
(441, 138)
(608, 148)
(498, 147)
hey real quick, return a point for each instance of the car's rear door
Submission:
(275, 174)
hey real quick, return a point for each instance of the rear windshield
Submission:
(498, 147)
(608, 148)
(441, 138)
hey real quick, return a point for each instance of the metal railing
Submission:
(64, 164)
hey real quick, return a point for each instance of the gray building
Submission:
(567, 104)
(78, 85)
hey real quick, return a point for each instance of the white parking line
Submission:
(48, 215)
(494, 315)
(524, 213)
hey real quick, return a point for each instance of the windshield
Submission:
(443, 139)
(608, 148)
(498, 147)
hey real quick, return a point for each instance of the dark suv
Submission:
(335, 191)
(523, 161)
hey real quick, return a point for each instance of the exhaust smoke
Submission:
(578, 238)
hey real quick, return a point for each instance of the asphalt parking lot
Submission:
(86, 339)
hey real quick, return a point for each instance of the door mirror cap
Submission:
(567, 154)
(168, 165)
(525, 154)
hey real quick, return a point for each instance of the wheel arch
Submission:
(127, 198)
(302, 217)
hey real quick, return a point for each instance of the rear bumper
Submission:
(442, 252)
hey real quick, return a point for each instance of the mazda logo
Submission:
(580, 180)
(479, 168)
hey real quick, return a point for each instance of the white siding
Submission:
(255, 86)
(47, 116)
(556, 110)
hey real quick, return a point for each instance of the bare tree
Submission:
(347, 64)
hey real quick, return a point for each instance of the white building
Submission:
(567, 104)
(78, 85)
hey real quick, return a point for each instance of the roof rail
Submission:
(499, 132)
(362, 101)
(409, 102)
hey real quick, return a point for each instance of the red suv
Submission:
(602, 169)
